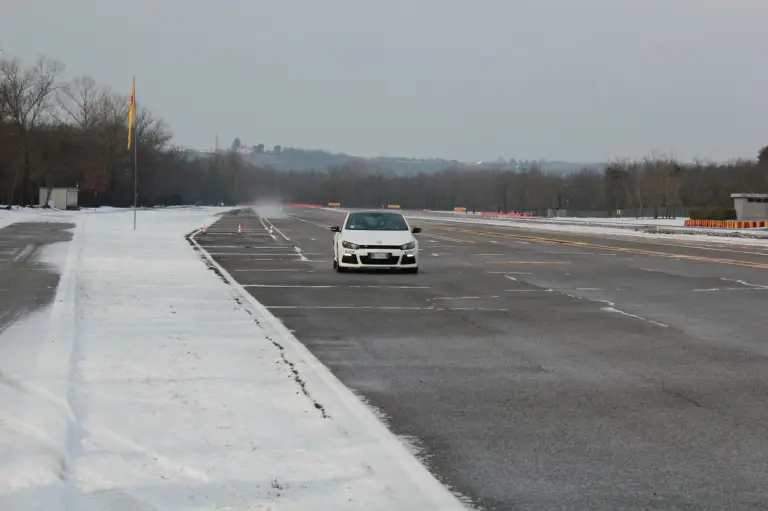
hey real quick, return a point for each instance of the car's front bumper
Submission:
(363, 258)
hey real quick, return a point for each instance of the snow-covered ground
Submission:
(151, 384)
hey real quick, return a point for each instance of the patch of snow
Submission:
(150, 384)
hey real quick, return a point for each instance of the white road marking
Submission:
(511, 277)
(325, 286)
(732, 289)
(571, 253)
(743, 283)
(358, 307)
(508, 272)
(484, 255)
(296, 270)
(255, 258)
(266, 228)
(597, 289)
(252, 254)
(323, 226)
(493, 241)
(256, 246)
(25, 253)
(286, 238)
(301, 255)
(748, 286)
(227, 233)
(445, 238)
(614, 309)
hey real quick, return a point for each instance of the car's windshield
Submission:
(376, 222)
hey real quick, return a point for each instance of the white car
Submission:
(375, 239)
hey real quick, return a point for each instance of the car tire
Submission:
(412, 270)
(335, 264)
(340, 268)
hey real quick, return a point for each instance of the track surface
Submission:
(540, 370)
(26, 284)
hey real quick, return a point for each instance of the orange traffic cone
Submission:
(271, 229)
(240, 229)
(205, 229)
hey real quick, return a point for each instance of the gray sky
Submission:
(559, 79)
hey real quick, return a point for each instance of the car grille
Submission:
(391, 260)
(381, 247)
(349, 259)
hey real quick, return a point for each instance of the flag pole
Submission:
(135, 157)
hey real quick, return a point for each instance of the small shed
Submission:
(750, 206)
(59, 198)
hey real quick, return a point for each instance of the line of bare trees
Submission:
(56, 133)
(652, 187)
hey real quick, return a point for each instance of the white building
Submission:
(59, 198)
(750, 206)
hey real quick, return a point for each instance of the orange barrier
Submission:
(728, 224)
(314, 206)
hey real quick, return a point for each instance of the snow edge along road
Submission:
(350, 412)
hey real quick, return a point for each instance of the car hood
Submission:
(377, 237)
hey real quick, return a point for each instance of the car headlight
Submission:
(347, 244)
(408, 246)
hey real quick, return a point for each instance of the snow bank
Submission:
(150, 384)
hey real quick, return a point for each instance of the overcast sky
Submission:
(581, 80)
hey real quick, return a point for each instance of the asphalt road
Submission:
(25, 283)
(539, 370)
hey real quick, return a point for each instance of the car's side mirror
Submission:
(336, 228)
(416, 230)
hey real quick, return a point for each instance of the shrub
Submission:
(712, 213)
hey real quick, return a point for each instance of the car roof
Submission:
(376, 212)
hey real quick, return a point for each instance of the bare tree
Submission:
(28, 95)
(79, 102)
(151, 132)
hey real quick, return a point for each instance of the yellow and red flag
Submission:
(131, 112)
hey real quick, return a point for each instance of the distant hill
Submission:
(291, 158)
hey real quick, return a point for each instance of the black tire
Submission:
(335, 264)
(412, 270)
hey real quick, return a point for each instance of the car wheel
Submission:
(335, 264)
(340, 268)
(412, 270)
